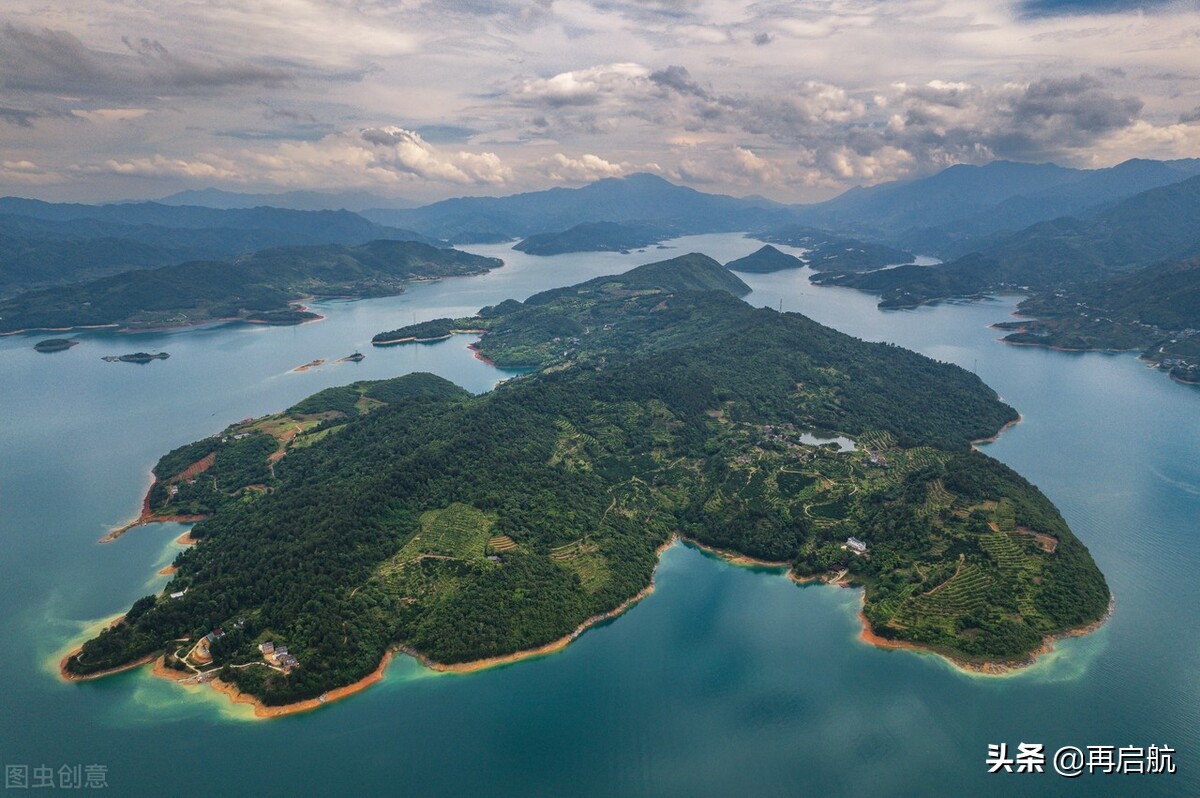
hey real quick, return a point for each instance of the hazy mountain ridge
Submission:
(44, 244)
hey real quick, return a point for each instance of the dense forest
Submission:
(407, 512)
(257, 287)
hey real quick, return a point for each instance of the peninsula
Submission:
(661, 405)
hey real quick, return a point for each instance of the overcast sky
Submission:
(797, 101)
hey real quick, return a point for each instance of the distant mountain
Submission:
(766, 259)
(257, 287)
(1155, 225)
(44, 244)
(295, 200)
(965, 201)
(641, 198)
(592, 237)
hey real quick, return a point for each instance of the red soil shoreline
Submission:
(986, 668)
(479, 356)
(867, 635)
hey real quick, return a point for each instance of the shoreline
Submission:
(1056, 348)
(147, 517)
(984, 667)
(480, 356)
(996, 436)
(412, 339)
(87, 677)
(264, 711)
(866, 635)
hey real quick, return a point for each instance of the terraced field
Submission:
(570, 449)
(457, 532)
(962, 594)
(583, 558)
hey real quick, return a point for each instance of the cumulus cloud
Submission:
(589, 86)
(583, 169)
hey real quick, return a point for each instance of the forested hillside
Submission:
(408, 513)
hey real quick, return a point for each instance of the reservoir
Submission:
(725, 681)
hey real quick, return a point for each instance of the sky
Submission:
(416, 99)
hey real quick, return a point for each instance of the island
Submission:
(766, 259)
(593, 237)
(407, 515)
(135, 357)
(55, 344)
(264, 287)
(424, 332)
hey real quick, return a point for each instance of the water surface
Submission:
(724, 681)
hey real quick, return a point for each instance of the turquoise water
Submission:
(725, 681)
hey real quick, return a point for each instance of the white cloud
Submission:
(583, 86)
(585, 168)
(845, 91)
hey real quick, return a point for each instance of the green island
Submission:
(421, 332)
(55, 344)
(407, 514)
(263, 287)
(594, 237)
(765, 259)
(135, 357)
(1154, 310)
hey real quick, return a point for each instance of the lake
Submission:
(725, 681)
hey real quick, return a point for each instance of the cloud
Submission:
(18, 117)
(582, 87)
(584, 169)
(27, 173)
(160, 166)
(57, 62)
